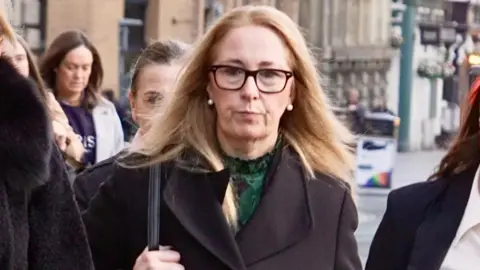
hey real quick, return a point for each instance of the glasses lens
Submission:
(271, 80)
(230, 77)
(267, 80)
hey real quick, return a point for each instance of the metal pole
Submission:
(406, 75)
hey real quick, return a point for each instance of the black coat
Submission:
(40, 226)
(86, 184)
(299, 224)
(420, 224)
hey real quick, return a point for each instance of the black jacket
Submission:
(86, 184)
(420, 224)
(40, 225)
(299, 224)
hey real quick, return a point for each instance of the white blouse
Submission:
(464, 252)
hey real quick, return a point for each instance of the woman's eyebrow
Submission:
(266, 64)
(234, 61)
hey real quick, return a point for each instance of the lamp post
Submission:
(406, 73)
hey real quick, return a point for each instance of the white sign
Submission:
(375, 162)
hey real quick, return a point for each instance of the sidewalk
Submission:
(409, 168)
(412, 167)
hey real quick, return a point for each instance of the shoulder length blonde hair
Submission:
(311, 128)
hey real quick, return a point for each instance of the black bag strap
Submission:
(154, 200)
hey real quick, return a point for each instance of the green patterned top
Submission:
(248, 179)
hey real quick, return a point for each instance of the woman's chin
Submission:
(249, 134)
(77, 89)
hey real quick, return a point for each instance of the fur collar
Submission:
(25, 131)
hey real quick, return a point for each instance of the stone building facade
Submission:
(352, 36)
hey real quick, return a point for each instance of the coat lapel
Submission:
(435, 235)
(195, 199)
(283, 217)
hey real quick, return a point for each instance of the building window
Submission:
(213, 11)
(136, 10)
(476, 15)
(30, 22)
(132, 39)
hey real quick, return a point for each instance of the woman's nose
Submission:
(250, 89)
(77, 74)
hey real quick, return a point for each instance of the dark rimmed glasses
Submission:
(233, 78)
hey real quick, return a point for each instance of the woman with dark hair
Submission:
(72, 68)
(65, 137)
(436, 224)
(40, 226)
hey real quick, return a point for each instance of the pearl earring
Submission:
(210, 102)
(289, 107)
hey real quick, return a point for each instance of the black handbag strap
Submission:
(154, 200)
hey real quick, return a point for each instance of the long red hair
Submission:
(464, 153)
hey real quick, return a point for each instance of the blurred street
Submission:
(409, 168)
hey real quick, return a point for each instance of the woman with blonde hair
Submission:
(40, 225)
(253, 164)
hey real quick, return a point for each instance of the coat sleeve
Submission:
(119, 136)
(379, 258)
(106, 227)
(81, 192)
(347, 257)
(87, 183)
(74, 148)
(57, 235)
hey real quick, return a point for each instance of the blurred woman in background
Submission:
(153, 79)
(72, 68)
(40, 226)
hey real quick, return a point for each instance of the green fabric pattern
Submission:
(248, 178)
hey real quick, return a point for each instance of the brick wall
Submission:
(180, 19)
(99, 20)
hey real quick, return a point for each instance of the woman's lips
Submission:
(248, 116)
(248, 112)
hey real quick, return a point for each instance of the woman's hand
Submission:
(163, 259)
(60, 134)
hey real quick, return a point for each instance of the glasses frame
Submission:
(251, 73)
